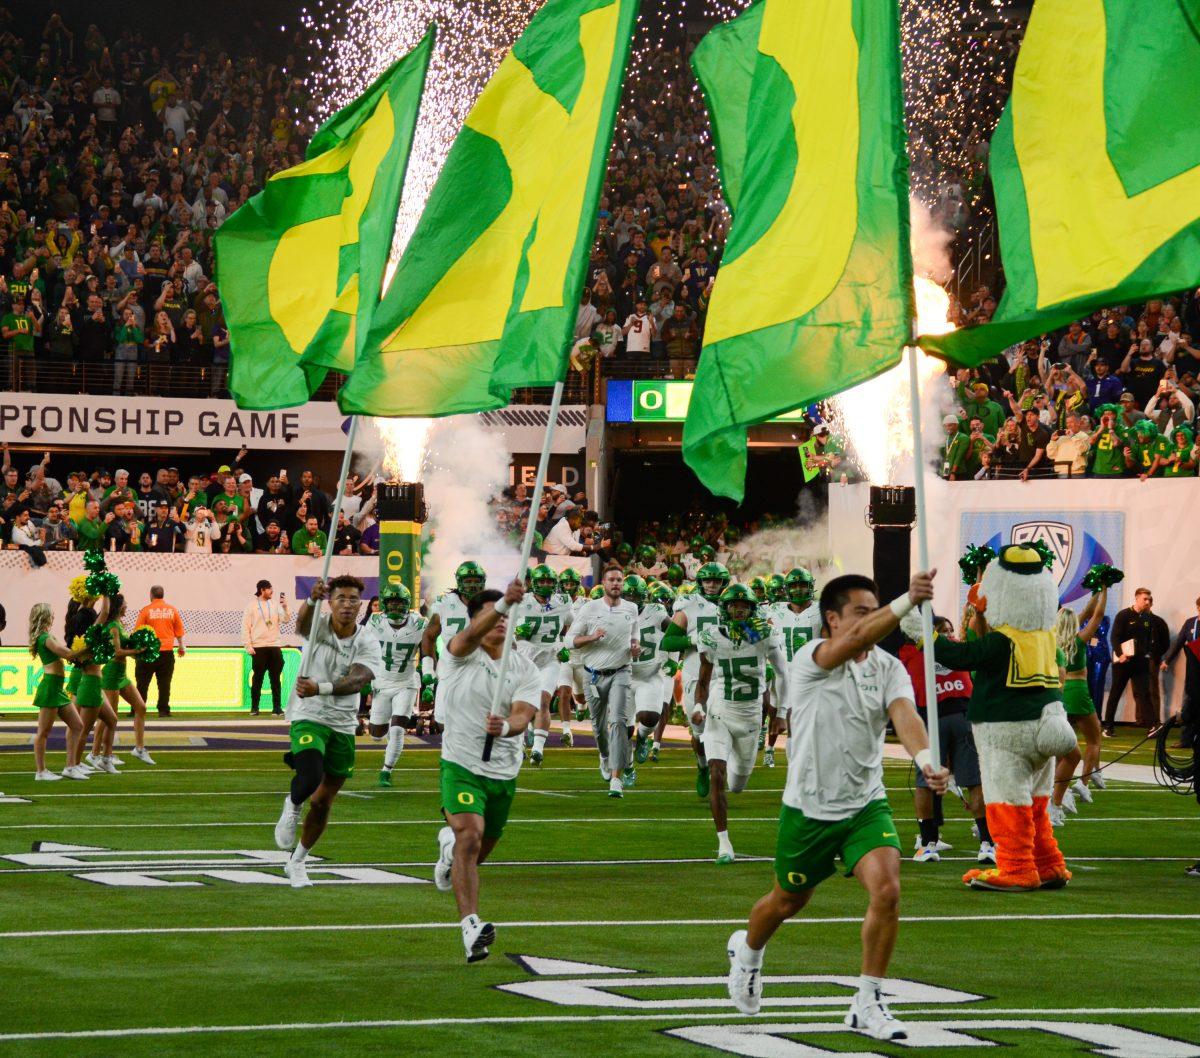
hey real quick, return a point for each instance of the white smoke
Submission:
(930, 241)
(781, 548)
(465, 467)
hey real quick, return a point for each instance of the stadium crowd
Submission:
(222, 512)
(1111, 396)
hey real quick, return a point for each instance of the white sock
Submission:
(644, 731)
(539, 740)
(869, 986)
(656, 744)
(299, 853)
(614, 783)
(566, 726)
(723, 842)
(750, 958)
(395, 746)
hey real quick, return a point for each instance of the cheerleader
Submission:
(116, 685)
(85, 685)
(51, 701)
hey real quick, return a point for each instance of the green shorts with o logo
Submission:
(337, 747)
(464, 791)
(806, 849)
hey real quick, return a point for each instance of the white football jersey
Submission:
(739, 675)
(796, 629)
(547, 622)
(700, 614)
(400, 648)
(450, 609)
(651, 622)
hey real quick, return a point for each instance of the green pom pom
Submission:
(103, 583)
(146, 643)
(1102, 576)
(524, 631)
(99, 644)
(974, 561)
(93, 560)
(564, 655)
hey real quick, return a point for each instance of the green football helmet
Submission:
(711, 579)
(696, 545)
(395, 600)
(800, 586)
(707, 553)
(543, 581)
(776, 588)
(470, 580)
(663, 595)
(634, 590)
(758, 586)
(623, 554)
(741, 596)
(685, 590)
(646, 554)
(570, 584)
(597, 592)
(674, 575)
(732, 536)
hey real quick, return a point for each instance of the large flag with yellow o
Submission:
(814, 293)
(301, 265)
(486, 295)
(1096, 167)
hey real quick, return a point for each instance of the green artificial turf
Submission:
(625, 884)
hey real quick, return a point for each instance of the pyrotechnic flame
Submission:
(875, 417)
(404, 443)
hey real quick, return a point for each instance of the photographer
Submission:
(1169, 408)
(165, 534)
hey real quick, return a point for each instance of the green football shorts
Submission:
(337, 747)
(464, 791)
(806, 849)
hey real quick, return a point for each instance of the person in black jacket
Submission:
(1188, 641)
(165, 533)
(1139, 641)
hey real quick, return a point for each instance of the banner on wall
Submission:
(206, 679)
(60, 420)
(1078, 540)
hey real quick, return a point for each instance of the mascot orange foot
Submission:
(1022, 865)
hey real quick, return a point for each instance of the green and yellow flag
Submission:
(1096, 167)
(486, 294)
(814, 293)
(301, 264)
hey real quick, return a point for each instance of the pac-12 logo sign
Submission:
(1058, 536)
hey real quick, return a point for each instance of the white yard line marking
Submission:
(334, 927)
(142, 866)
(559, 1019)
(705, 820)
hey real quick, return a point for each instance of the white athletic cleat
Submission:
(1097, 778)
(1080, 790)
(870, 1016)
(114, 759)
(568, 740)
(289, 822)
(297, 872)
(445, 860)
(142, 754)
(769, 757)
(615, 788)
(943, 846)
(1068, 803)
(535, 758)
(75, 771)
(46, 776)
(927, 854)
(743, 983)
(725, 856)
(1058, 818)
(987, 853)
(106, 765)
(605, 774)
(477, 938)
(92, 761)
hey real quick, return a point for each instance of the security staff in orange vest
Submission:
(168, 626)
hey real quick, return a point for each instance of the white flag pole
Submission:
(526, 550)
(305, 653)
(931, 705)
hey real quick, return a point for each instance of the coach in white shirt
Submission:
(605, 641)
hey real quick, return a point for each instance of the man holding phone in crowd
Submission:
(262, 624)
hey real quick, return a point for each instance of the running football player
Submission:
(543, 617)
(737, 655)
(448, 617)
(396, 688)
(648, 668)
(798, 621)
